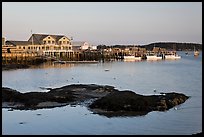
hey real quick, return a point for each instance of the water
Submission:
(184, 76)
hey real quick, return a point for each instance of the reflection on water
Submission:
(183, 75)
(50, 64)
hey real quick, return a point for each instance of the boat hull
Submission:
(132, 58)
(153, 58)
(172, 57)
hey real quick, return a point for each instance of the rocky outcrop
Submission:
(130, 103)
(55, 97)
(108, 100)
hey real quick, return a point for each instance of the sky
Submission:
(108, 23)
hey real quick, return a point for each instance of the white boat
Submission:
(196, 53)
(138, 58)
(132, 58)
(172, 56)
(151, 56)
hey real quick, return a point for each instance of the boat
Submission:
(172, 55)
(138, 58)
(196, 53)
(152, 56)
(132, 58)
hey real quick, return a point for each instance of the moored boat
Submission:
(132, 58)
(172, 55)
(151, 56)
(196, 52)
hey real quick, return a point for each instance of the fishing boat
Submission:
(172, 56)
(153, 56)
(196, 53)
(132, 58)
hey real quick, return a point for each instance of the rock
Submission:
(53, 98)
(127, 102)
(103, 100)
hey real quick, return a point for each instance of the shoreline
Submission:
(13, 66)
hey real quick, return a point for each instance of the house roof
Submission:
(37, 38)
(78, 43)
(15, 43)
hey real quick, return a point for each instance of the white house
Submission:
(80, 45)
(93, 47)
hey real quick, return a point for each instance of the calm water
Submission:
(184, 75)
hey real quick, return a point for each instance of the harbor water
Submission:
(143, 77)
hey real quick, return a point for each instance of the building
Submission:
(93, 47)
(3, 41)
(51, 45)
(10, 47)
(44, 44)
(80, 45)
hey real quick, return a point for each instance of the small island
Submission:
(106, 100)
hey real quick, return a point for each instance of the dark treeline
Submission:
(166, 45)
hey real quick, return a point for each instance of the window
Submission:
(28, 47)
(53, 42)
(44, 42)
(23, 47)
(60, 42)
(48, 42)
(8, 50)
(48, 37)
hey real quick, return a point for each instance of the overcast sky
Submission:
(105, 22)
